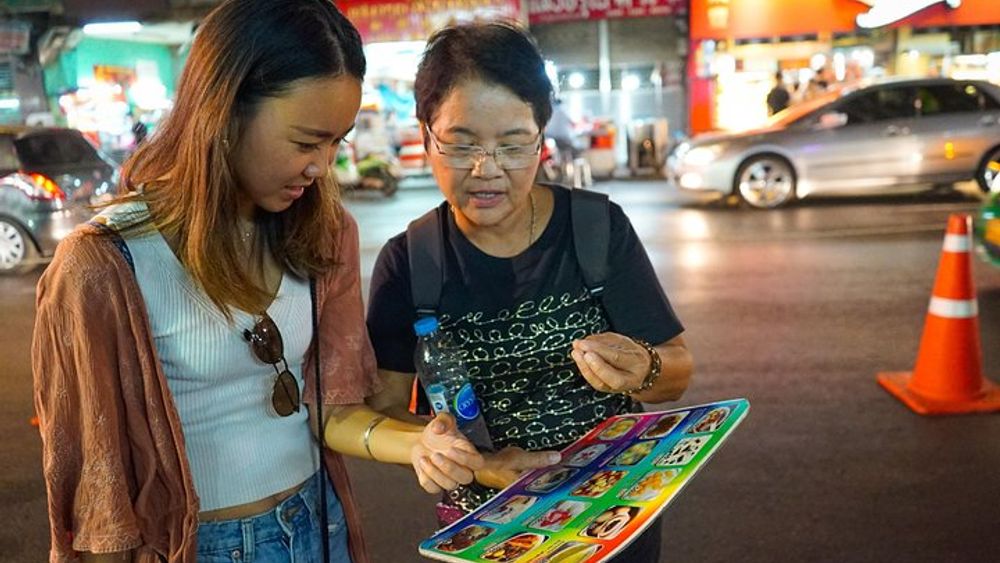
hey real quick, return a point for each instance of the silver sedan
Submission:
(890, 137)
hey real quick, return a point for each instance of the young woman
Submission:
(195, 340)
(544, 360)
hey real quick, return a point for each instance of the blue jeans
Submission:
(289, 533)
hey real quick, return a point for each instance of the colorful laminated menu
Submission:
(609, 487)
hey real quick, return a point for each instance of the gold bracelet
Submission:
(654, 367)
(368, 434)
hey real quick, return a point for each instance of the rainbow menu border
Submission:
(609, 487)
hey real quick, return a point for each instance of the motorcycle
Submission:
(371, 172)
(558, 167)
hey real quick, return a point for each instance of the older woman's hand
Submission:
(443, 458)
(611, 362)
(504, 467)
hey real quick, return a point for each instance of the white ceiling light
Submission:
(112, 28)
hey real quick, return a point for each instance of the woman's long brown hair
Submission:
(245, 52)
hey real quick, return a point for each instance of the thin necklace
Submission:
(531, 223)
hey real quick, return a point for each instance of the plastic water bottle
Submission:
(446, 382)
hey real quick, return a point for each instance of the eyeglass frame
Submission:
(282, 376)
(481, 153)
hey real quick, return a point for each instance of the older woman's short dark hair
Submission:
(500, 53)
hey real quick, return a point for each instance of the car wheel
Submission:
(17, 251)
(766, 182)
(989, 170)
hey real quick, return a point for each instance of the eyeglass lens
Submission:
(503, 159)
(267, 345)
(468, 156)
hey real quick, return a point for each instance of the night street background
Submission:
(794, 309)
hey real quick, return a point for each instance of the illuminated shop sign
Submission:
(885, 12)
(549, 11)
(407, 20)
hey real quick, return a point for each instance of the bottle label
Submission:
(466, 406)
(437, 398)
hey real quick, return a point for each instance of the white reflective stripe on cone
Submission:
(957, 243)
(953, 308)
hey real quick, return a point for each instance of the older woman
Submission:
(544, 360)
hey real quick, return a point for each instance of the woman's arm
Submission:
(440, 455)
(498, 470)
(676, 368)
(83, 348)
(614, 363)
(394, 398)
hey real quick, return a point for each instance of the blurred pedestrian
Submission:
(561, 130)
(778, 98)
(139, 131)
(196, 339)
(813, 88)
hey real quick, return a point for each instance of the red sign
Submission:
(404, 20)
(549, 11)
(718, 19)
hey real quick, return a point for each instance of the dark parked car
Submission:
(892, 136)
(49, 177)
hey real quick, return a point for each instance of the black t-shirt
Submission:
(514, 320)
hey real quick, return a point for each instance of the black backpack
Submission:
(590, 220)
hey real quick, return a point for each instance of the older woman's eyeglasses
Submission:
(268, 347)
(508, 157)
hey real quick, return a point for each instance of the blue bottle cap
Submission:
(425, 325)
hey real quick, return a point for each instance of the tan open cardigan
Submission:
(113, 451)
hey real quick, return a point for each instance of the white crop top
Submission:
(238, 448)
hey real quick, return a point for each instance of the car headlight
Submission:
(700, 156)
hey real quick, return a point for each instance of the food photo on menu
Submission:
(609, 486)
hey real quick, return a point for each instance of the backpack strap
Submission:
(323, 516)
(117, 240)
(591, 221)
(425, 252)
(425, 249)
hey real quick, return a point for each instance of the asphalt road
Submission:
(796, 310)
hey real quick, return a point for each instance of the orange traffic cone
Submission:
(948, 376)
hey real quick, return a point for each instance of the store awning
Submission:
(551, 11)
